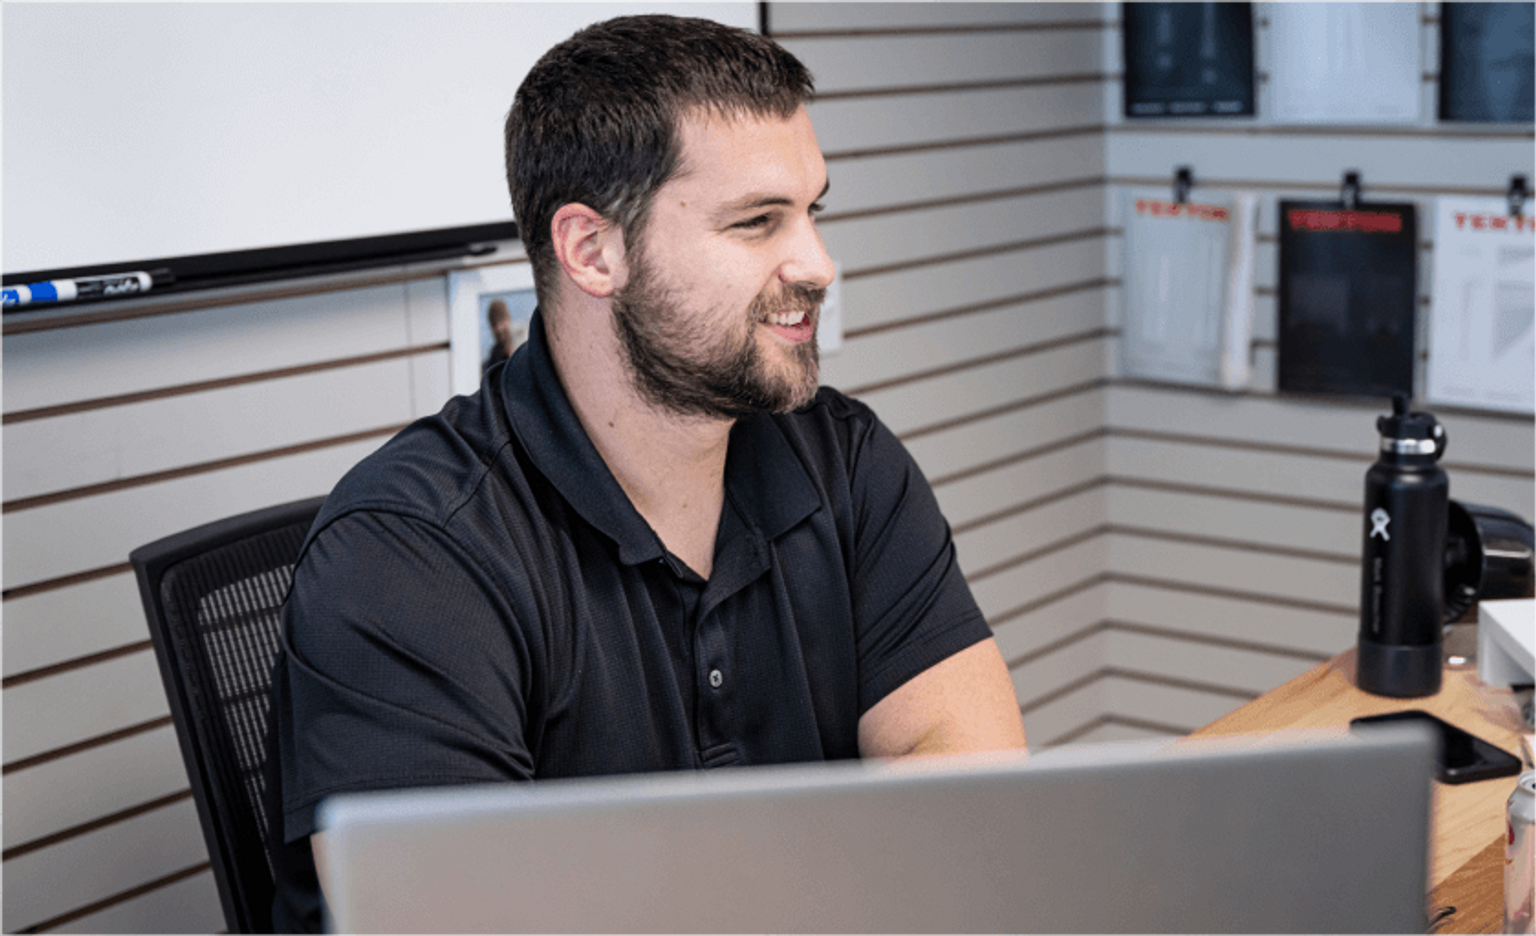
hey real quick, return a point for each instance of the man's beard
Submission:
(677, 363)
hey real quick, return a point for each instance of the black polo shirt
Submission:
(478, 601)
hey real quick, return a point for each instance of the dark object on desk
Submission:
(1461, 757)
(213, 597)
(1402, 561)
(1488, 556)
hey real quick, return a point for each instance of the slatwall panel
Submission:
(1233, 520)
(965, 149)
(123, 424)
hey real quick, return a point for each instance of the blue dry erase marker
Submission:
(85, 287)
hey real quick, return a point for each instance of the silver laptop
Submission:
(1285, 833)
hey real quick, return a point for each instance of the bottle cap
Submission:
(1405, 433)
(1405, 425)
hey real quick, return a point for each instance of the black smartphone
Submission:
(1462, 757)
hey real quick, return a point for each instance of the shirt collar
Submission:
(764, 478)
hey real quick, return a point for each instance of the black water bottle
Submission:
(1402, 580)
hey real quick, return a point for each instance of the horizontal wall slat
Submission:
(1244, 670)
(1295, 421)
(187, 905)
(984, 495)
(52, 713)
(1074, 557)
(1169, 606)
(904, 295)
(786, 19)
(52, 626)
(940, 454)
(910, 406)
(1065, 718)
(884, 357)
(1281, 526)
(46, 456)
(84, 787)
(56, 367)
(864, 124)
(1282, 474)
(1041, 683)
(986, 550)
(54, 541)
(842, 64)
(886, 240)
(959, 174)
(1112, 729)
(1430, 161)
(1189, 707)
(46, 884)
(1273, 574)
(1029, 636)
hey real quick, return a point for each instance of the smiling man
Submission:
(651, 541)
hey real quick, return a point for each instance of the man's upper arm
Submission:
(402, 667)
(963, 704)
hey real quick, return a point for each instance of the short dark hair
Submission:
(597, 120)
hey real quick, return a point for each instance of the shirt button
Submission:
(715, 679)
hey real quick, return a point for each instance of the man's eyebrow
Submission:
(761, 200)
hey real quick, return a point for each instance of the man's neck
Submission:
(671, 466)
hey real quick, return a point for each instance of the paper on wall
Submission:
(1344, 62)
(1188, 290)
(1482, 313)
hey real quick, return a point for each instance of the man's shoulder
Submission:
(832, 419)
(430, 469)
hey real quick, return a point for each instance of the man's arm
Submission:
(962, 704)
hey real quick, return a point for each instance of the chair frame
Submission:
(245, 887)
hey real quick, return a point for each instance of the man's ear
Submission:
(590, 249)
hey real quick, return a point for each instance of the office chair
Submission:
(213, 596)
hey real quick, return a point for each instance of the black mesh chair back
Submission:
(213, 596)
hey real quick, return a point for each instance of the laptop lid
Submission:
(1294, 833)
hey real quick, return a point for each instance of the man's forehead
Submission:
(744, 150)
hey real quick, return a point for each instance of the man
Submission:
(649, 542)
(500, 320)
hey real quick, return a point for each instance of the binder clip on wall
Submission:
(1349, 190)
(1183, 181)
(1518, 193)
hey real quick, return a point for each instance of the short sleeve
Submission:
(912, 605)
(402, 666)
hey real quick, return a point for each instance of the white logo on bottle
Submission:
(1379, 521)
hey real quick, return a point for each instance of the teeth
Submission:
(785, 318)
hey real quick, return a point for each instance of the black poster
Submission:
(1348, 298)
(1487, 63)
(1188, 59)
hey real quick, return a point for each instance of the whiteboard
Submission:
(152, 130)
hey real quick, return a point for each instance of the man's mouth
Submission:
(789, 318)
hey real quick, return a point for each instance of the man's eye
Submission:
(817, 208)
(750, 223)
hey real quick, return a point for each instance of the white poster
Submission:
(1344, 62)
(1188, 290)
(1482, 312)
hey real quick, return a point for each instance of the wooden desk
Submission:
(1467, 846)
